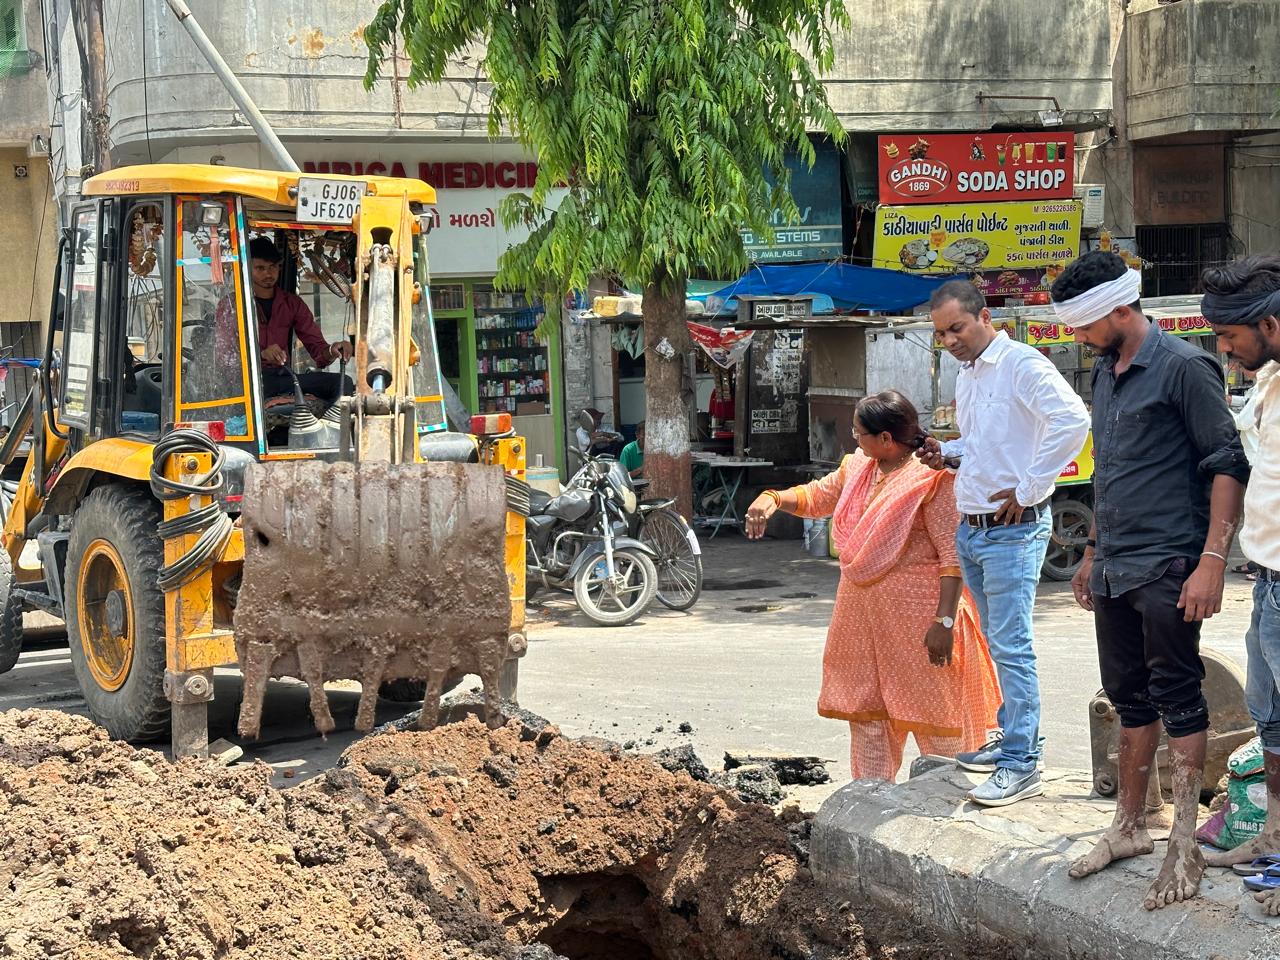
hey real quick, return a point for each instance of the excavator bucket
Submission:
(371, 571)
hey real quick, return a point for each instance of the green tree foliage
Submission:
(661, 116)
(668, 121)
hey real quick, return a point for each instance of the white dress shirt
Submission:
(1020, 425)
(1260, 538)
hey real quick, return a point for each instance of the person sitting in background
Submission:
(632, 457)
(904, 653)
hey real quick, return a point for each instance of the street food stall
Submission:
(1038, 326)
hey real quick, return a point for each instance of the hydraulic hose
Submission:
(210, 522)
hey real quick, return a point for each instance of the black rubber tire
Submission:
(126, 518)
(10, 617)
(667, 532)
(1072, 520)
(634, 560)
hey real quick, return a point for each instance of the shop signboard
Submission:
(471, 181)
(965, 167)
(973, 237)
(820, 233)
(1047, 334)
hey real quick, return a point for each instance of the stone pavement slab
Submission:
(999, 876)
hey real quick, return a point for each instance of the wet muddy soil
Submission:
(454, 843)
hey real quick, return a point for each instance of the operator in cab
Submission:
(281, 314)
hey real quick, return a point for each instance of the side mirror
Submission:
(585, 421)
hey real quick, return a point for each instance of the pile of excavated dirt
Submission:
(455, 843)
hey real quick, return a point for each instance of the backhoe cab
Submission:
(180, 516)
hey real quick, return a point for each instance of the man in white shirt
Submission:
(1242, 301)
(1020, 425)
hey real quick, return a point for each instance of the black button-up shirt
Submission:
(1162, 431)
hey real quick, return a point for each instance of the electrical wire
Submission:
(210, 522)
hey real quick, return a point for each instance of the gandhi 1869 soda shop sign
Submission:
(968, 167)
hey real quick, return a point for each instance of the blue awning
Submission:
(835, 286)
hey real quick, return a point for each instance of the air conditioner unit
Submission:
(1094, 196)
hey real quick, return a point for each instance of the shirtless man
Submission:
(1242, 301)
(1168, 485)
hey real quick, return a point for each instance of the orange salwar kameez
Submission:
(896, 537)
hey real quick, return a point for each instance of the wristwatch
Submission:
(947, 622)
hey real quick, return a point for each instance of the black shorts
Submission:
(1150, 656)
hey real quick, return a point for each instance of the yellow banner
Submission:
(1047, 333)
(1079, 470)
(967, 237)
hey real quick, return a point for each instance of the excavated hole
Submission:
(609, 917)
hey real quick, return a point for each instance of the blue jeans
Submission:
(1001, 568)
(1262, 644)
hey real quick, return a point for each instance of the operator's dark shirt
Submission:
(1161, 432)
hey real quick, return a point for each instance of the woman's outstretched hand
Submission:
(762, 508)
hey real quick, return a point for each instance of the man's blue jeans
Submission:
(1262, 644)
(1001, 568)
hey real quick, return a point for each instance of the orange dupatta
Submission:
(871, 535)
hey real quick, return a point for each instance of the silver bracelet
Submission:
(1210, 553)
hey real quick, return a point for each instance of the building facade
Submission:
(28, 214)
(1171, 107)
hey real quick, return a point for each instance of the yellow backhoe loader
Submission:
(180, 518)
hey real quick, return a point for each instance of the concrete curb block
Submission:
(972, 877)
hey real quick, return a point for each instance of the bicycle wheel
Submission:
(679, 558)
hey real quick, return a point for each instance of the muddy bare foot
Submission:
(1260, 846)
(1179, 877)
(1270, 901)
(1114, 845)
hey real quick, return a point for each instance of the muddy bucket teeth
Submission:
(371, 572)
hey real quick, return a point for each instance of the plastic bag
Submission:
(1245, 811)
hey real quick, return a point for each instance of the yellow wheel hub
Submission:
(105, 615)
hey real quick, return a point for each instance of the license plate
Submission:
(693, 542)
(328, 201)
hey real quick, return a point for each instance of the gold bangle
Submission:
(775, 495)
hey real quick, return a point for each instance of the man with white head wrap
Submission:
(1168, 483)
(1242, 301)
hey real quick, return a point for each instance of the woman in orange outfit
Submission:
(904, 652)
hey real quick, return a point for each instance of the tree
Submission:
(668, 120)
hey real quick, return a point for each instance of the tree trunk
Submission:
(666, 346)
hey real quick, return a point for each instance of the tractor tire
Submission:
(115, 612)
(10, 617)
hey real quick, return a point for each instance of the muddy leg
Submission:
(430, 714)
(370, 681)
(1268, 841)
(1127, 836)
(258, 659)
(311, 660)
(1179, 877)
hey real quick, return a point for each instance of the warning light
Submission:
(488, 424)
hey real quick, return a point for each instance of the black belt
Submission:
(984, 520)
(1270, 576)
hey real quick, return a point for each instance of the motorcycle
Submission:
(579, 541)
(677, 553)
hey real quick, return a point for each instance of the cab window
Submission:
(78, 321)
(211, 368)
